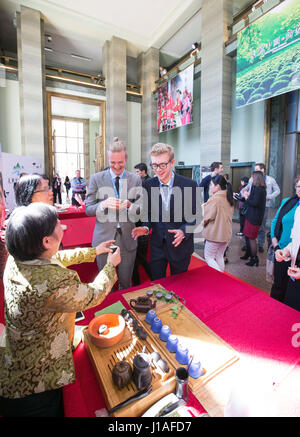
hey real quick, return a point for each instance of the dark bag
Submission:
(270, 264)
(243, 209)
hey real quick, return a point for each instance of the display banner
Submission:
(11, 167)
(175, 101)
(268, 55)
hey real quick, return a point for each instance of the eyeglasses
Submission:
(162, 165)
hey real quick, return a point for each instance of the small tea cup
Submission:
(182, 354)
(195, 370)
(172, 343)
(151, 314)
(156, 325)
(165, 332)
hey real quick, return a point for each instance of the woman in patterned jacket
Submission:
(42, 297)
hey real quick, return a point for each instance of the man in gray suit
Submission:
(115, 197)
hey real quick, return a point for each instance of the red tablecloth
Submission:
(72, 212)
(245, 317)
(79, 231)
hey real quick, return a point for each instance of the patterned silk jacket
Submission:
(41, 300)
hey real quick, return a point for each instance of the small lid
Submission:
(140, 361)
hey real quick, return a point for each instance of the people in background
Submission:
(255, 202)
(217, 222)
(281, 228)
(142, 171)
(33, 188)
(3, 251)
(215, 168)
(239, 198)
(142, 241)
(78, 185)
(170, 242)
(114, 196)
(273, 191)
(67, 184)
(292, 253)
(42, 297)
(56, 188)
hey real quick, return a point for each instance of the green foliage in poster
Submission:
(268, 55)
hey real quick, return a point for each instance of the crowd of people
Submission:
(42, 295)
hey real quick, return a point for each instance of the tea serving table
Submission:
(262, 331)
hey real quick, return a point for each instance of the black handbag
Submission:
(243, 209)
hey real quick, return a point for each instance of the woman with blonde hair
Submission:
(217, 222)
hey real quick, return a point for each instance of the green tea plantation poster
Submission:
(268, 55)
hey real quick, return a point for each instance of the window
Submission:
(68, 146)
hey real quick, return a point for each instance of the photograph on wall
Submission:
(268, 55)
(175, 101)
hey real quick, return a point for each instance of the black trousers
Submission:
(242, 221)
(159, 266)
(141, 259)
(56, 194)
(281, 279)
(45, 404)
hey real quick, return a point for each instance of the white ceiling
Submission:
(82, 27)
(73, 109)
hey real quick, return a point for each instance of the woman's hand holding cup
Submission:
(114, 258)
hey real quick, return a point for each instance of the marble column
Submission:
(148, 72)
(216, 83)
(30, 39)
(114, 69)
(277, 164)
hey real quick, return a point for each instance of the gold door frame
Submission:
(100, 143)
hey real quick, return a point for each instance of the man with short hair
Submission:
(215, 168)
(113, 196)
(170, 197)
(78, 186)
(143, 241)
(142, 171)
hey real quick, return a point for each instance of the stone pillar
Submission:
(30, 37)
(216, 83)
(277, 164)
(114, 69)
(148, 72)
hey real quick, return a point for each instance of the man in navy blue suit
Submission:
(171, 210)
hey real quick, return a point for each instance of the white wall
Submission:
(134, 115)
(10, 123)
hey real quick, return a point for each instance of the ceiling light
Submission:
(83, 58)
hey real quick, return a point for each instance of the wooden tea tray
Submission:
(214, 353)
(103, 361)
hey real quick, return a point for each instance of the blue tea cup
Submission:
(182, 354)
(195, 370)
(156, 325)
(165, 332)
(172, 343)
(151, 314)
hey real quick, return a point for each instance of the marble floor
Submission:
(253, 275)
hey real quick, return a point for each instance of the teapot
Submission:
(142, 304)
(121, 374)
(142, 375)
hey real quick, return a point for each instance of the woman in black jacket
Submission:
(255, 204)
